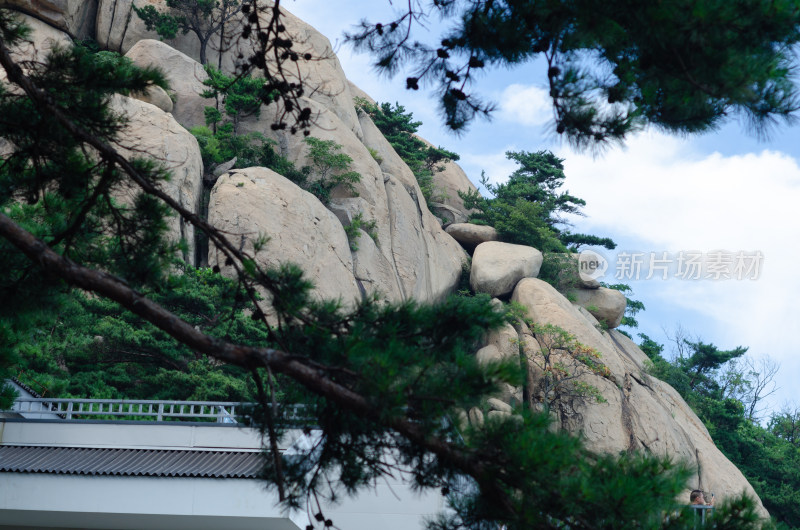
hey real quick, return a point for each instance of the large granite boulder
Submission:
(185, 77)
(119, 28)
(75, 17)
(154, 133)
(42, 39)
(247, 203)
(155, 95)
(497, 267)
(606, 305)
(471, 235)
(448, 180)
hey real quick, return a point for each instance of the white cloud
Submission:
(663, 194)
(496, 166)
(526, 105)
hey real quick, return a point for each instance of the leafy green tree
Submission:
(240, 96)
(559, 365)
(381, 381)
(704, 361)
(529, 208)
(612, 68)
(87, 348)
(331, 168)
(204, 18)
(786, 425)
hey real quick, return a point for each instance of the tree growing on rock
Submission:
(204, 18)
(529, 208)
(558, 368)
(399, 128)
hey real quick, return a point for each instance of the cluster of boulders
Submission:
(497, 268)
(636, 413)
(411, 256)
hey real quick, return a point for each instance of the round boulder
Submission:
(471, 235)
(606, 305)
(497, 267)
(155, 95)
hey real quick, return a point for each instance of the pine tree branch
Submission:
(314, 379)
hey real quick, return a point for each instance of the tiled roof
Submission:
(130, 462)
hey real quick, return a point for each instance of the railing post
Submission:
(160, 416)
(69, 410)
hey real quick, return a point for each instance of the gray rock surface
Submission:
(447, 214)
(75, 17)
(155, 95)
(640, 413)
(40, 42)
(185, 77)
(448, 180)
(606, 305)
(497, 267)
(249, 202)
(154, 133)
(471, 235)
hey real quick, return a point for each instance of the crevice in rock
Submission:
(421, 216)
(626, 417)
(125, 28)
(361, 289)
(111, 23)
(621, 349)
(200, 237)
(642, 382)
(392, 213)
(38, 16)
(182, 229)
(699, 469)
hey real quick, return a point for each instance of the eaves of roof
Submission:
(130, 462)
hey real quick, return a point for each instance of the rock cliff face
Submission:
(411, 256)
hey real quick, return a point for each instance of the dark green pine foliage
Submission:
(220, 140)
(240, 96)
(386, 383)
(529, 208)
(86, 347)
(399, 128)
(611, 67)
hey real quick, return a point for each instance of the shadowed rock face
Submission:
(151, 132)
(411, 256)
(75, 17)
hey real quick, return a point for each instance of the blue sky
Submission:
(725, 190)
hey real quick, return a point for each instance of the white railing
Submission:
(702, 512)
(72, 409)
